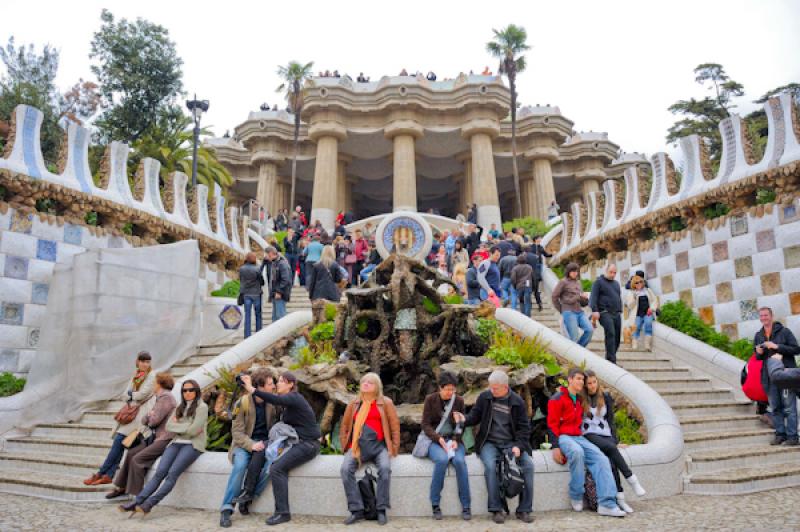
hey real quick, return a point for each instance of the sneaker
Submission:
(498, 517)
(791, 442)
(382, 519)
(466, 514)
(277, 519)
(525, 517)
(637, 488)
(354, 517)
(610, 512)
(437, 513)
(225, 519)
(777, 440)
(576, 505)
(624, 506)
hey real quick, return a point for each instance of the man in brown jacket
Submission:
(250, 429)
(370, 432)
(568, 298)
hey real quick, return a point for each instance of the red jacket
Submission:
(563, 416)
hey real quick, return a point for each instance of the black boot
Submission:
(354, 517)
(277, 519)
(225, 518)
(437, 513)
(244, 498)
(244, 508)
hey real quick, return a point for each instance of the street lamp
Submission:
(197, 108)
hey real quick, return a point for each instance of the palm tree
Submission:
(507, 46)
(295, 76)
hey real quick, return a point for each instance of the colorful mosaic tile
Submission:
(738, 225)
(39, 293)
(789, 214)
(16, 267)
(46, 250)
(21, 223)
(771, 284)
(794, 302)
(701, 276)
(724, 292)
(748, 309)
(719, 251)
(667, 285)
(791, 257)
(231, 317)
(698, 237)
(765, 240)
(650, 269)
(706, 314)
(686, 297)
(744, 267)
(73, 234)
(682, 261)
(731, 330)
(663, 248)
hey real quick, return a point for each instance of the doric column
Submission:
(341, 183)
(404, 193)
(527, 190)
(484, 179)
(324, 195)
(590, 175)
(266, 191)
(542, 191)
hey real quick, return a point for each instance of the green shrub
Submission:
(229, 289)
(10, 385)
(46, 205)
(322, 332)
(453, 299)
(128, 228)
(90, 218)
(715, 210)
(486, 329)
(627, 428)
(533, 226)
(765, 195)
(316, 353)
(279, 236)
(218, 434)
(742, 349)
(586, 285)
(652, 234)
(679, 316)
(558, 270)
(3, 193)
(509, 348)
(225, 379)
(330, 311)
(430, 306)
(677, 224)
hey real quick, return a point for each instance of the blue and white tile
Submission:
(34, 315)
(18, 244)
(15, 290)
(793, 322)
(46, 250)
(12, 336)
(67, 251)
(700, 256)
(720, 272)
(39, 293)
(2, 261)
(719, 234)
(768, 261)
(46, 230)
(16, 267)
(5, 220)
(683, 244)
(12, 313)
(768, 221)
(40, 271)
(73, 234)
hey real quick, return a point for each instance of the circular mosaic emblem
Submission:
(231, 317)
(405, 233)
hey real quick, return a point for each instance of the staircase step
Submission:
(708, 408)
(59, 464)
(99, 416)
(655, 373)
(724, 421)
(693, 395)
(51, 486)
(635, 364)
(89, 431)
(82, 447)
(745, 480)
(706, 441)
(745, 456)
(669, 384)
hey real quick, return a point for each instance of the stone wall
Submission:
(725, 269)
(30, 247)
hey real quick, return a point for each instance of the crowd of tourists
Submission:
(275, 430)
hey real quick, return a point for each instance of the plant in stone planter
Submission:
(91, 218)
(627, 428)
(715, 210)
(10, 385)
(677, 224)
(765, 195)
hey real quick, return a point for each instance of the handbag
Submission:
(132, 439)
(366, 486)
(423, 443)
(127, 413)
(351, 259)
(240, 299)
(369, 445)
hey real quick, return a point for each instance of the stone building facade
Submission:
(406, 143)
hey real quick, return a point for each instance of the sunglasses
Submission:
(185, 390)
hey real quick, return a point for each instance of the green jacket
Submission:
(193, 429)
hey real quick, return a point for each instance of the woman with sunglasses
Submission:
(189, 427)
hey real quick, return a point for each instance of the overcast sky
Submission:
(610, 66)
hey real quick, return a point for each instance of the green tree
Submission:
(139, 73)
(170, 142)
(296, 77)
(508, 45)
(30, 79)
(703, 116)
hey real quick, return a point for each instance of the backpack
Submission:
(510, 477)
(751, 380)
(366, 485)
(590, 492)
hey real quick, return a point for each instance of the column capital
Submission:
(261, 157)
(542, 152)
(481, 125)
(403, 127)
(327, 129)
(593, 174)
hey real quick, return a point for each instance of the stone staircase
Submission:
(727, 446)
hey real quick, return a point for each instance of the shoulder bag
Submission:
(423, 441)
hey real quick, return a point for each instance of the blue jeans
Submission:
(475, 301)
(646, 323)
(509, 292)
(301, 264)
(278, 309)
(241, 458)
(574, 320)
(292, 259)
(175, 460)
(783, 403)
(440, 461)
(489, 453)
(366, 271)
(114, 456)
(251, 303)
(581, 453)
(526, 300)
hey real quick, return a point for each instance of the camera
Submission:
(239, 380)
(459, 428)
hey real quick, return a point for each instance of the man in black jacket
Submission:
(606, 304)
(503, 419)
(773, 338)
(280, 282)
(473, 238)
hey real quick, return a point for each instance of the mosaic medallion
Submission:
(405, 233)
(231, 317)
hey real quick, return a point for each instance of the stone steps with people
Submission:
(727, 445)
(54, 459)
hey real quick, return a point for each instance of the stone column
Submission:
(341, 183)
(404, 189)
(267, 189)
(590, 174)
(542, 191)
(324, 195)
(484, 179)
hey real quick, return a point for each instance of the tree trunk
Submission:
(512, 82)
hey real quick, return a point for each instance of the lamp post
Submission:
(197, 108)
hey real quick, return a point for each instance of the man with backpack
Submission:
(773, 338)
(564, 420)
(502, 416)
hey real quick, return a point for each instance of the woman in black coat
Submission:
(325, 277)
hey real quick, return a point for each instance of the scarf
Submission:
(358, 426)
(138, 378)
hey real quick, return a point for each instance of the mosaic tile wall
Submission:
(726, 273)
(29, 250)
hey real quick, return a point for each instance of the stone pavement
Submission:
(757, 511)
